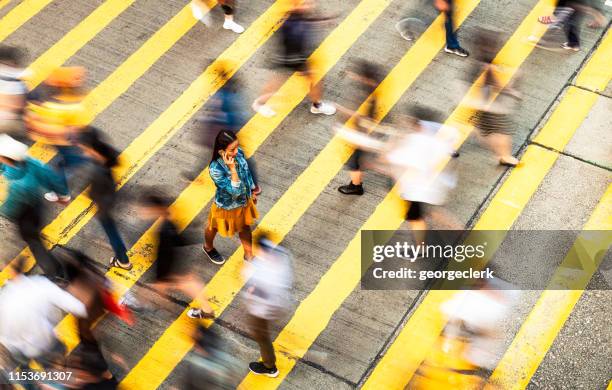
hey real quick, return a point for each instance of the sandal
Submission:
(547, 19)
(200, 314)
(114, 262)
(505, 163)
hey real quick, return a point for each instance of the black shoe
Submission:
(459, 51)
(214, 256)
(258, 368)
(351, 189)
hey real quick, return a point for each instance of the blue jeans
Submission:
(451, 36)
(110, 228)
(69, 157)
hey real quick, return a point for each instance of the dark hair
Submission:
(207, 338)
(155, 200)
(11, 54)
(92, 139)
(424, 113)
(369, 70)
(223, 139)
(488, 43)
(154, 197)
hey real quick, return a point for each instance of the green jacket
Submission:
(28, 181)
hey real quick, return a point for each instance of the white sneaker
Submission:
(53, 197)
(324, 108)
(231, 25)
(199, 14)
(263, 110)
(130, 301)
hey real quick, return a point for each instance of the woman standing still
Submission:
(233, 210)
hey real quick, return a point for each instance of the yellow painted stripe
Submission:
(596, 74)
(75, 39)
(80, 210)
(4, 3)
(157, 364)
(16, 17)
(416, 339)
(553, 308)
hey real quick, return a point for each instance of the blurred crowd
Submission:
(413, 151)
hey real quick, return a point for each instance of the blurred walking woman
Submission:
(233, 210)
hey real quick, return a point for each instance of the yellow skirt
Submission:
(230, 222)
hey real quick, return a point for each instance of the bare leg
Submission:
(269, 89)
(316, 89)
(246, 238)
(356, 177)
(502, 147)
(419, 229)
(209, 238)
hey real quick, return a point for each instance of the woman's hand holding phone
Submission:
(228, 160)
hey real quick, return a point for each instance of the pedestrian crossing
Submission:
(278, 221)
(315, 312)
(19, 15)
(401, 360)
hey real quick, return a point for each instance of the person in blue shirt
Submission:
(28, 180)
(233, 210)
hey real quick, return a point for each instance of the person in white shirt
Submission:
(30, 308)
(270, 277)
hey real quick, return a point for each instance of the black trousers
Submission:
(29, 226)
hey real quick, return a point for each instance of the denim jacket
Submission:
(231, 195)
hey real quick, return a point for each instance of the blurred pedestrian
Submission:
(102, 190)
(30, 308)
(296, 35)
(368, 77)
(567, 16)
(28, 180)
(172, 274)
(472, 341)
(452, 43)
(13, 92)
(208, 365)
(200, 10)
(494, 104)
(57, 116)
(269, 279)
(233, 210)
(226, 111)
(414, 162)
